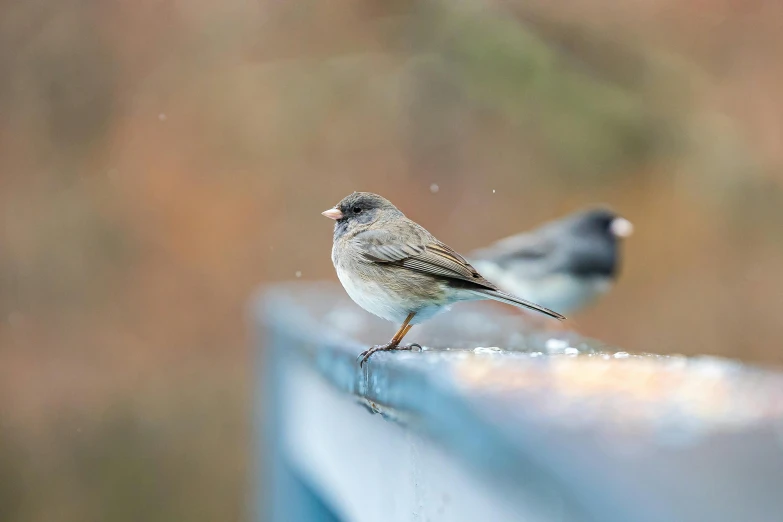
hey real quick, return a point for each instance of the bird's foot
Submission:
(388, 347)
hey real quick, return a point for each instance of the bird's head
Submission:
(359, 209)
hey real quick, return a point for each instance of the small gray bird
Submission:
(565, 264)
(395, 269)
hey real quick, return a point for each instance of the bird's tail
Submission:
(497, 295)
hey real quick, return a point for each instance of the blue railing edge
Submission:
(404, 395)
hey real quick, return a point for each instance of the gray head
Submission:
(593, 245)
(599, 222)
(359, 209)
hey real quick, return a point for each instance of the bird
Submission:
(564, 264)
(395, 269)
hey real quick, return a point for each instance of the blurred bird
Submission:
(395, 269)
(565, 264)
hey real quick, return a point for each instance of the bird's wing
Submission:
(421, 252)
(528, 246)
(382, 246)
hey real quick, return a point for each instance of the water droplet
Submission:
(162, 116)
(536, 354)
(298, 274)
(493, 191)
(434, 188)
(556, 344)
(622, 355)
(486, 349)
(571, 351)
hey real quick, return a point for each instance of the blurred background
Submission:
(161, 159)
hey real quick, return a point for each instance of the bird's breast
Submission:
(388, 290)
(372, 295)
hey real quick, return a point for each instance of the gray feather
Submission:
(497, 295)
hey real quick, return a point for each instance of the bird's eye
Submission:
(357, 210)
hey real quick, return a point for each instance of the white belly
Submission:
(568, 293)
(386, 304)
(373, 297)
(560, 292)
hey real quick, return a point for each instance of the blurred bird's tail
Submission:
(497, 295)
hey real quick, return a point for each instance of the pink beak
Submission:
(333, 213)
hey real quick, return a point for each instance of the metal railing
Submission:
(495, 420)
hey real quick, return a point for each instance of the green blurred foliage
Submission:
(594, 130)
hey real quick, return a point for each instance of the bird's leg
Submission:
(394, 344)
(407, 346)
(402, 331)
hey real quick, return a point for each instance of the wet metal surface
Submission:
(622, 436)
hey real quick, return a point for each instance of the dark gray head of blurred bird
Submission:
(595, 236)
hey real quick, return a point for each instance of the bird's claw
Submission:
(365, 355)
